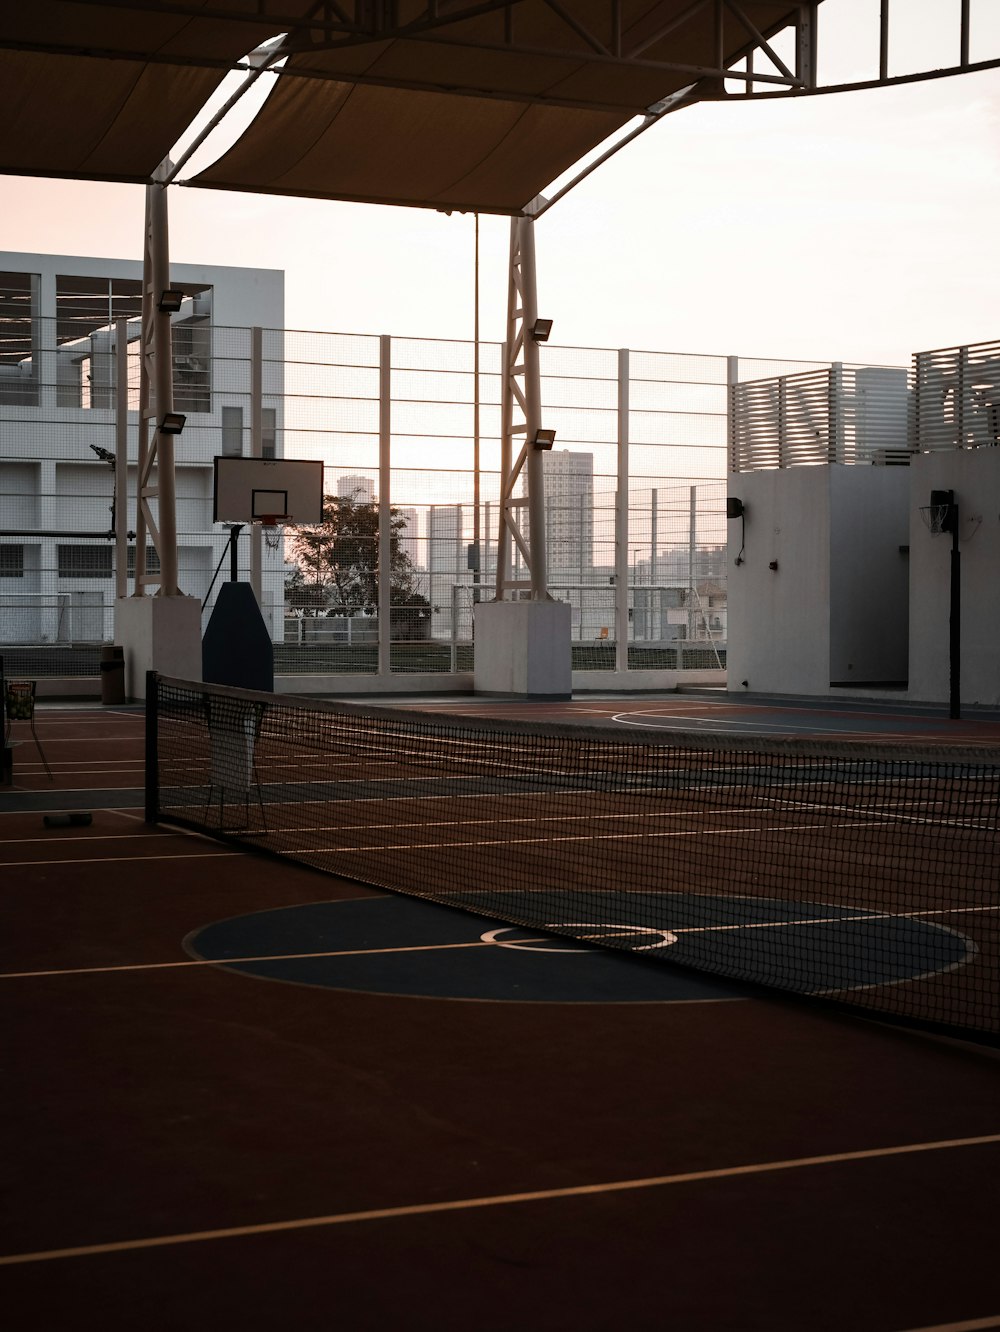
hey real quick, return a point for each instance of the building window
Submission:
(85, 561)
(11, 561)
(152, 561)
(232, 431)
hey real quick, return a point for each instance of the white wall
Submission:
(835, 607)
(974, 476)
(779, 628)
(869, 574)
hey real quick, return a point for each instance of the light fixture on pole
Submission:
(541, 329)
(544, 439)
(170, 300)
(735, 508)
(172, 423)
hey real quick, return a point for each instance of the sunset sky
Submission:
(856, 227)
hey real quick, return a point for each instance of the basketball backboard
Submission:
(249, 490)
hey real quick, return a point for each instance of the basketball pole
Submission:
(955, 623)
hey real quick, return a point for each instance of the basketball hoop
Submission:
(941, 515)
(272, 531)
(935, 516)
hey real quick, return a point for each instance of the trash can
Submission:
(112, 673)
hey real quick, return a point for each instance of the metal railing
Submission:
(956, 398)
(845, 414)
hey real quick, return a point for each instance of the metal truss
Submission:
(604, 40)
(521, 419)
(156, 399)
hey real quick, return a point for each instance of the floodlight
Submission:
(170, 300)
(172, 423)
(541, 329)
(734, 507)
(105, 455)
(544, 439)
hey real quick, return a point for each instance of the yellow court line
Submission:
(493, 1200)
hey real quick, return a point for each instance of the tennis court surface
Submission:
(243, 1091)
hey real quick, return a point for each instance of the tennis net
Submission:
(864, 873)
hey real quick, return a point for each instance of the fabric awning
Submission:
(476, 112)
(103, 92)
(454, 120)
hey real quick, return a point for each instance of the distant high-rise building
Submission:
(569, 514)
(409, 537)
(354, 487)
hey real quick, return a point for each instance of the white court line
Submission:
(69, 763)
(493, 1200)
(175, 831)
(507, 823)
(94, 837)
(234, 961)
(972, 1325)
(883, 817)
(866, 917)
(547, 841)
(117, 860)
(733, 726)
(60, 770)
(89, 739)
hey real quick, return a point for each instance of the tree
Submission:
(337, 564)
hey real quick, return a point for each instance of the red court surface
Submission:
(717, 712)
(189, 1146)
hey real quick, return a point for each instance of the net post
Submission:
(152, 755)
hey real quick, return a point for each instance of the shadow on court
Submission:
(426, 1120)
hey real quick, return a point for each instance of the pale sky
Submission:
(858, 226)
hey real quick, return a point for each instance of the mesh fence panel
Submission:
(321, 399)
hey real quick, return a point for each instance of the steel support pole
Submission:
(621, 518)
(532, 410)
(145, 446)
(256, 446)
(506, 459)
(692, 545)
(164, 390)
(476, 485)
(121, 458)
(384, 507)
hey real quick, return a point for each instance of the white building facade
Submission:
(59, 316)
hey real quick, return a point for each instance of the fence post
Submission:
(384, 506)
(835, 443)
(732, 379)
(782, 421)
(621, 518)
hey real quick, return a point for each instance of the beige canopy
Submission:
(445, 103)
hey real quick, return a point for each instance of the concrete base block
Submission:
(158, 634)
(523, 648)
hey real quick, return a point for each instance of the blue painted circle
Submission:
(404, 946)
